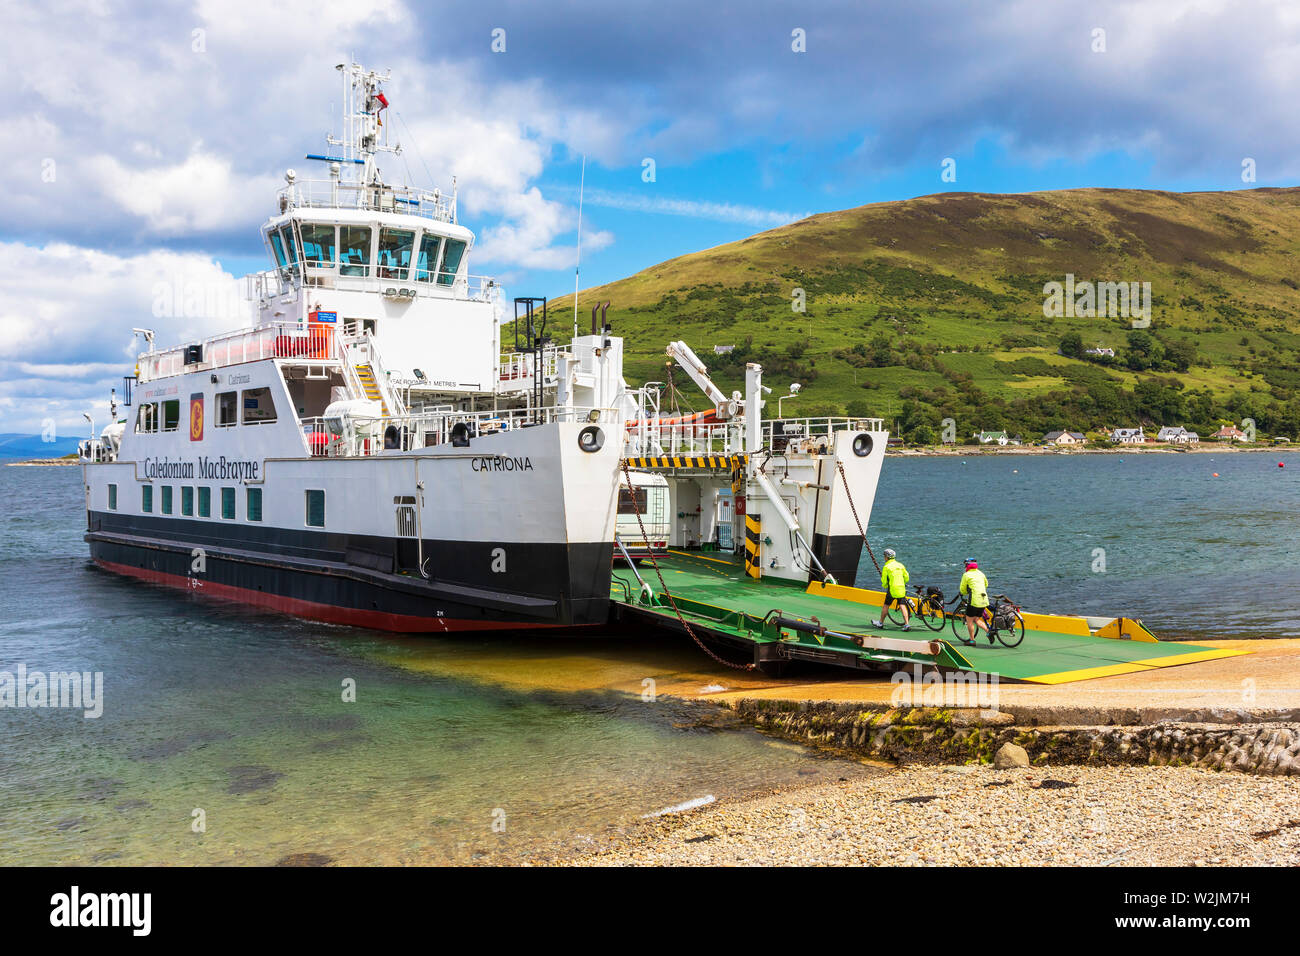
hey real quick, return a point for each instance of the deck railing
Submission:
(357, 436)
(335, 194)
(262, 287)
(779, 431)
(281, 340)
(671, 436)
(517, 369)
(714, 438)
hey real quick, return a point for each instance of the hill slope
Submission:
(934, 307)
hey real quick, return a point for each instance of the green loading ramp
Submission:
(716, 598)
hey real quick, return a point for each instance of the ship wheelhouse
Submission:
(349, 248)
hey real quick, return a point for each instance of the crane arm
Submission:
(682, 354)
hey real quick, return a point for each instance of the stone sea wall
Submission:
(927, 735)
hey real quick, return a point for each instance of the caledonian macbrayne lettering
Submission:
(501, 463)
(216, 469)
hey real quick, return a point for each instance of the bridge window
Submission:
(354, 250)
(253, 506)
(258, 406)
(205, 502)
(112, 497)
(187, 501)
(318, 245)
(315, 501)
(451, 257)
(277, 246)
(426, 264)
(166, 499)
(287, 232)
(228, 503)
(227, 409)
(394, 253)
(146, 498)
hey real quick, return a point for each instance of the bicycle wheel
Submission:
(896, 612)
(1013, 635)
(959, 626)
(931, 614)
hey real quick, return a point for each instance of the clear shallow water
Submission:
(239, 713)
(1190, 554)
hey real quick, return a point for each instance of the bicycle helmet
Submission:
(889, 552)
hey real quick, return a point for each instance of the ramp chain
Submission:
(627, 477)
(854, 509)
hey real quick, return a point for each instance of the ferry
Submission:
(364, 453)
(368, 453)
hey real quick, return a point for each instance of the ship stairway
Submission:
(366, 376)
(364, 370)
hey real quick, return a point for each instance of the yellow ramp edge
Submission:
(1056, 624)
(1132, 667)
(1128, 628)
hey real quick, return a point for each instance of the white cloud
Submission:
(201, 194)
(66, 311)
(695, 209)
(156, 140)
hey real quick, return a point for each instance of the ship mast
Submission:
(364, 133)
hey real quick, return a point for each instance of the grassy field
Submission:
(934, 307)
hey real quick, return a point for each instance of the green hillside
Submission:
(933, 307)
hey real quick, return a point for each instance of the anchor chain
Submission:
(854, 509)
(627, 476)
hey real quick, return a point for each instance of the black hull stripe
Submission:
(582, 598)
(545, 570)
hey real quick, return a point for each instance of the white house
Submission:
(1108, 353)
(1178, 435)
(1229, 433)
(1065, 438)
(1128, 436)
(989, 438)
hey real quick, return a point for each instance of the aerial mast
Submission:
(364, 134)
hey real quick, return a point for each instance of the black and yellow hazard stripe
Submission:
(753, 546)
(732, 462)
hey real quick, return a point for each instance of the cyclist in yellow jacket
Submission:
(893, 580)
(974, 588)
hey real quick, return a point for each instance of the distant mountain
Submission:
(31, 446)
(933, 308)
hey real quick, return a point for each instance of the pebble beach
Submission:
(980, 816)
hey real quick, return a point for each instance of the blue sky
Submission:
(144, 142)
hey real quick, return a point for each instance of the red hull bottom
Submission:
(354, 617)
